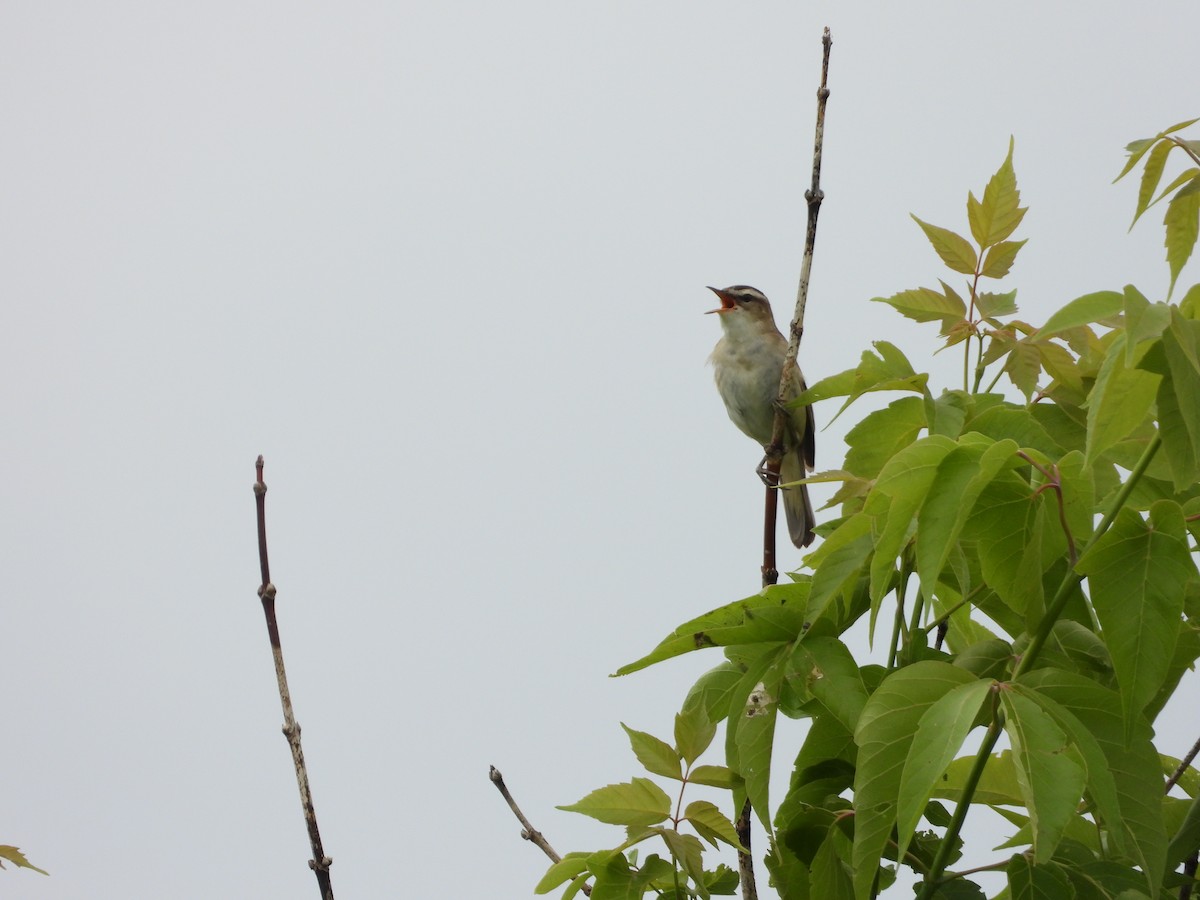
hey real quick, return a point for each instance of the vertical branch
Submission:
(813, 196)
(320, 863)
(770, 574)
(745, 860)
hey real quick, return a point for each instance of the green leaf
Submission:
(722, 880)
(999, 213)
(1027, 881)
(1189, 306)
(832, 676)
(1137, 149)
(830, 879)
(1101, 786)
(838, 561)
(955, 250)
(884, 735)
(562, 871)
(775, 614)
(1060, 365)
(1151, 175)
(1050, 771)
(1119, 402)
(1078, 492)
(711, 823)
(940, 733)
(713, 776)
(1134, 765)
(1006, 523)
(789, 875)
(898, 494)
(761, 662)
(1183, 660)
(992, 305)
(1015, 423)
(689, 853)
(1024, 365)
(1000, 258)
(1137, 573)
(713, 691)
(888, 369)
(997, 786)
(1187, 839)
(614, 877)
(1143, 321)
(1083, 311)
(882, 433)
(986, 658)
(1179, 398)
(754, 738)
(1182, 222)
(694, 732)
(926, 305)
(658, 757)
(640, 802)
(1080, 834)
(17, 858)
(824, 766)
(949, 414)
(958, 889)
(961, 476)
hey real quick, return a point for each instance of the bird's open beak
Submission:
(726, 302)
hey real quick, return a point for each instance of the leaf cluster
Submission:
(1027, 569)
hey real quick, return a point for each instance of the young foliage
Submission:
(1023, 559)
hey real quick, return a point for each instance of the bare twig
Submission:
(1189, 870)
(1183, 766)
(774, 450)
(528, 832)
(814, 195)
(320, 863)
(745, 859)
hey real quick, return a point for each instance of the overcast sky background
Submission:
(443, 264)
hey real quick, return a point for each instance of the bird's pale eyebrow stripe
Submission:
(740, 290)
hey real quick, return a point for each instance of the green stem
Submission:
(898, 621)
(978, 367)
(971, 319)
(914, 622)
(946, 847)
(966, 362)
(1072, 579)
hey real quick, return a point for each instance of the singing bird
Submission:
(747, 363)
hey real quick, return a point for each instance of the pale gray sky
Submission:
(444, 265)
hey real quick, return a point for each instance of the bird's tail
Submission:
(796, 504)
